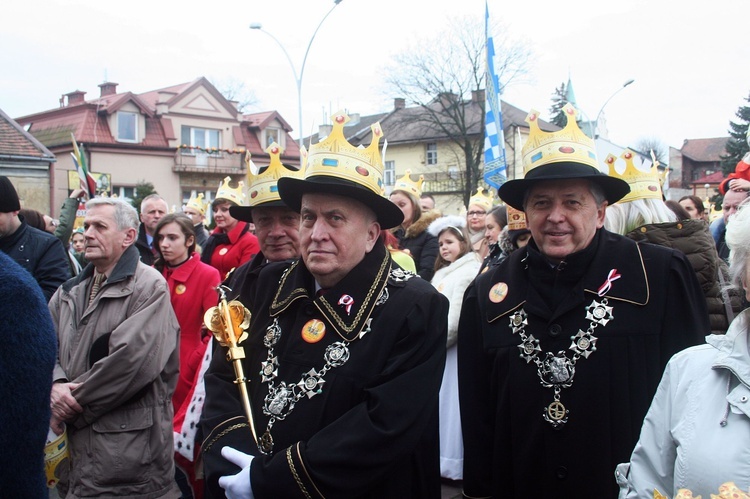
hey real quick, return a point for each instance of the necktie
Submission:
(98, 280)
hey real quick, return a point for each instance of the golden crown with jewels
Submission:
(482, 199)
(334, 156)
(231, 194)
(197, 203)
(643, 184)
(406, 184)
(263, 187)
(567, 145)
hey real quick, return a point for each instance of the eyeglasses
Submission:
(476, 213)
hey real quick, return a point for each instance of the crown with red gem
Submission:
(229, 193)
(334, 156)
(406, 184)
(197, 203)
(567, 145)
(643, 184)
(262, 187)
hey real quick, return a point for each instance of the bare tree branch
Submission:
(445, 77)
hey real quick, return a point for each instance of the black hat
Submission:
(561, 155)
(263, 189)
(334, 166)
(8, 196)
(245, 213)
(291, 189)
(514, 191)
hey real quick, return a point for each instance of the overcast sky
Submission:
(691, 64)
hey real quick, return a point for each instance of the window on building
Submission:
(389, 174)
(203, 138)
(123, 192)
(272, 135)
(431, 157)
(127, 127)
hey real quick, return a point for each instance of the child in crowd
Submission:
(456, 266)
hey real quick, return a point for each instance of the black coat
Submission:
(510, 450)
(421, 245)
(373, 430)
(144, 250)
(41, 254)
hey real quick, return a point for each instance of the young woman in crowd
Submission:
(412, 234)
(192, 287)
(455, 268)
(694, 206)
(231, 243)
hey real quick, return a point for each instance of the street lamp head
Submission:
(627, 83)
(256, 26)
(337, 1)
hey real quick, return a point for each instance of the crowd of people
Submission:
(575, 335)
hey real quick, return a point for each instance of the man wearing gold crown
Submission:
(277, 229)
(562, 345)
(345, 350)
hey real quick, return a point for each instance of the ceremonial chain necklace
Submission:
(557, 371)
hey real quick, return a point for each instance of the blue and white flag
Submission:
(495, 166)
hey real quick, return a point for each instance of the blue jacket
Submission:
(26, 361)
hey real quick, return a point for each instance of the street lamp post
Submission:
(594, 134)
(297, 76)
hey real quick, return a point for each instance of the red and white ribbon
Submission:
(347, 301)
(611, 277)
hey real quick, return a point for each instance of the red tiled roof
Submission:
(704, 150)
(15, 141)
(714, 178)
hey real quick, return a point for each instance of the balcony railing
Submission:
(202, 162)
(444, 182)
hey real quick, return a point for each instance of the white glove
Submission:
(237, 486)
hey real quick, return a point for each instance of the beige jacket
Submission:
(122, 348)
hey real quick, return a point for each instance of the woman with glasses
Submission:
(476, 218)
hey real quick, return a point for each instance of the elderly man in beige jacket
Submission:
(117, 365)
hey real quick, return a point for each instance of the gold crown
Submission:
(481, 199)
(262, 187)
(643, 184)
(335, 157)
(197, 203)
(231, 194)
(516, 219)
(406, 184)
(567, 145)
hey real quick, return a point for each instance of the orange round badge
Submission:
(313, 331)
(223, 251)
(179, 289)
(498, 292)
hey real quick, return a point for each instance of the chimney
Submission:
(477, 96)
(107, 88)
(75, 97)
(162, 106)
(324, 131)
(399, 103)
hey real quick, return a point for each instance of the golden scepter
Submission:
(229, 322)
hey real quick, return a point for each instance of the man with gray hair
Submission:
(117, 364)
(153, 207)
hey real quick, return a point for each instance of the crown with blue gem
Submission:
(334, 156)
(567, 145)
(263, 187)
